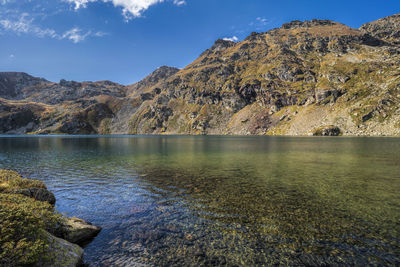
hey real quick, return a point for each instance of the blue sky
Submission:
(124, 40)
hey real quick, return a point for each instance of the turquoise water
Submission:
(234, 201)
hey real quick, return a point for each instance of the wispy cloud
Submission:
(25, 25)
(259, 23)
(262, 21)
(130, 8)
(232, 39)
(75, 35)
(179, 2)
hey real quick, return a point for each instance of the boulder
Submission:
(330, 130)
(78, 231)
(61, 253)
(39, 194)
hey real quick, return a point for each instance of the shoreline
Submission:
(34, 233)
(185, 135)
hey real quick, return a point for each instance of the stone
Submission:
(78, 231)
(61, 253)
(39, 194)
(330, 130)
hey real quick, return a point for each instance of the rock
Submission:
(288, 74)
(330, 130)
(39, 194)
(248, 90)
(221, 44)
(368, 116)
(61, 253)
(78, 231)
(321, 95)
(146, 96)
(77, 126)
(16, 118)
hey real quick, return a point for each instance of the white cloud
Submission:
(130, 8)
(232, 39)
(179, 2)
(80, 3)
(25, 25)
(75, 35)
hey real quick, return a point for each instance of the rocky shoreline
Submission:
(56, 240)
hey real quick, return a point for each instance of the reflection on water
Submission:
(224, 200)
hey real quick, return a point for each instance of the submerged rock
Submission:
(78, 231)
(61, 253)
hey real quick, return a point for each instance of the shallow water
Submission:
(236, 201)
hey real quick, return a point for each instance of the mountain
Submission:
(315, 77)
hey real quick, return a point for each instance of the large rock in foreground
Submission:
(61, 253)
(78, 231)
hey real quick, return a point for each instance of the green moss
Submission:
(10, 180)
(105, 126)
(23, 221)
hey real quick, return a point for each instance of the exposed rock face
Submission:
(17, 119)
(307, 24)
(158, 75)
(286, 81)
(61, 253)
(12, 84)
(78, 231)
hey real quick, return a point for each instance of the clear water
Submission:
(235, 201)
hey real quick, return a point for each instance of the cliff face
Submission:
(311, 77)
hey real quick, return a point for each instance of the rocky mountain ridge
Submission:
(313, 77)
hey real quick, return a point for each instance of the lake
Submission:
(213, 200)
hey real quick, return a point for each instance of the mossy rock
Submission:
(23, 221)
(11, 180)
(60, 253)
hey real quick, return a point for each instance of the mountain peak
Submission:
(12, 83)
(153, 78)
(221, 44)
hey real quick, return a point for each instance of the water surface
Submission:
(236, 201)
